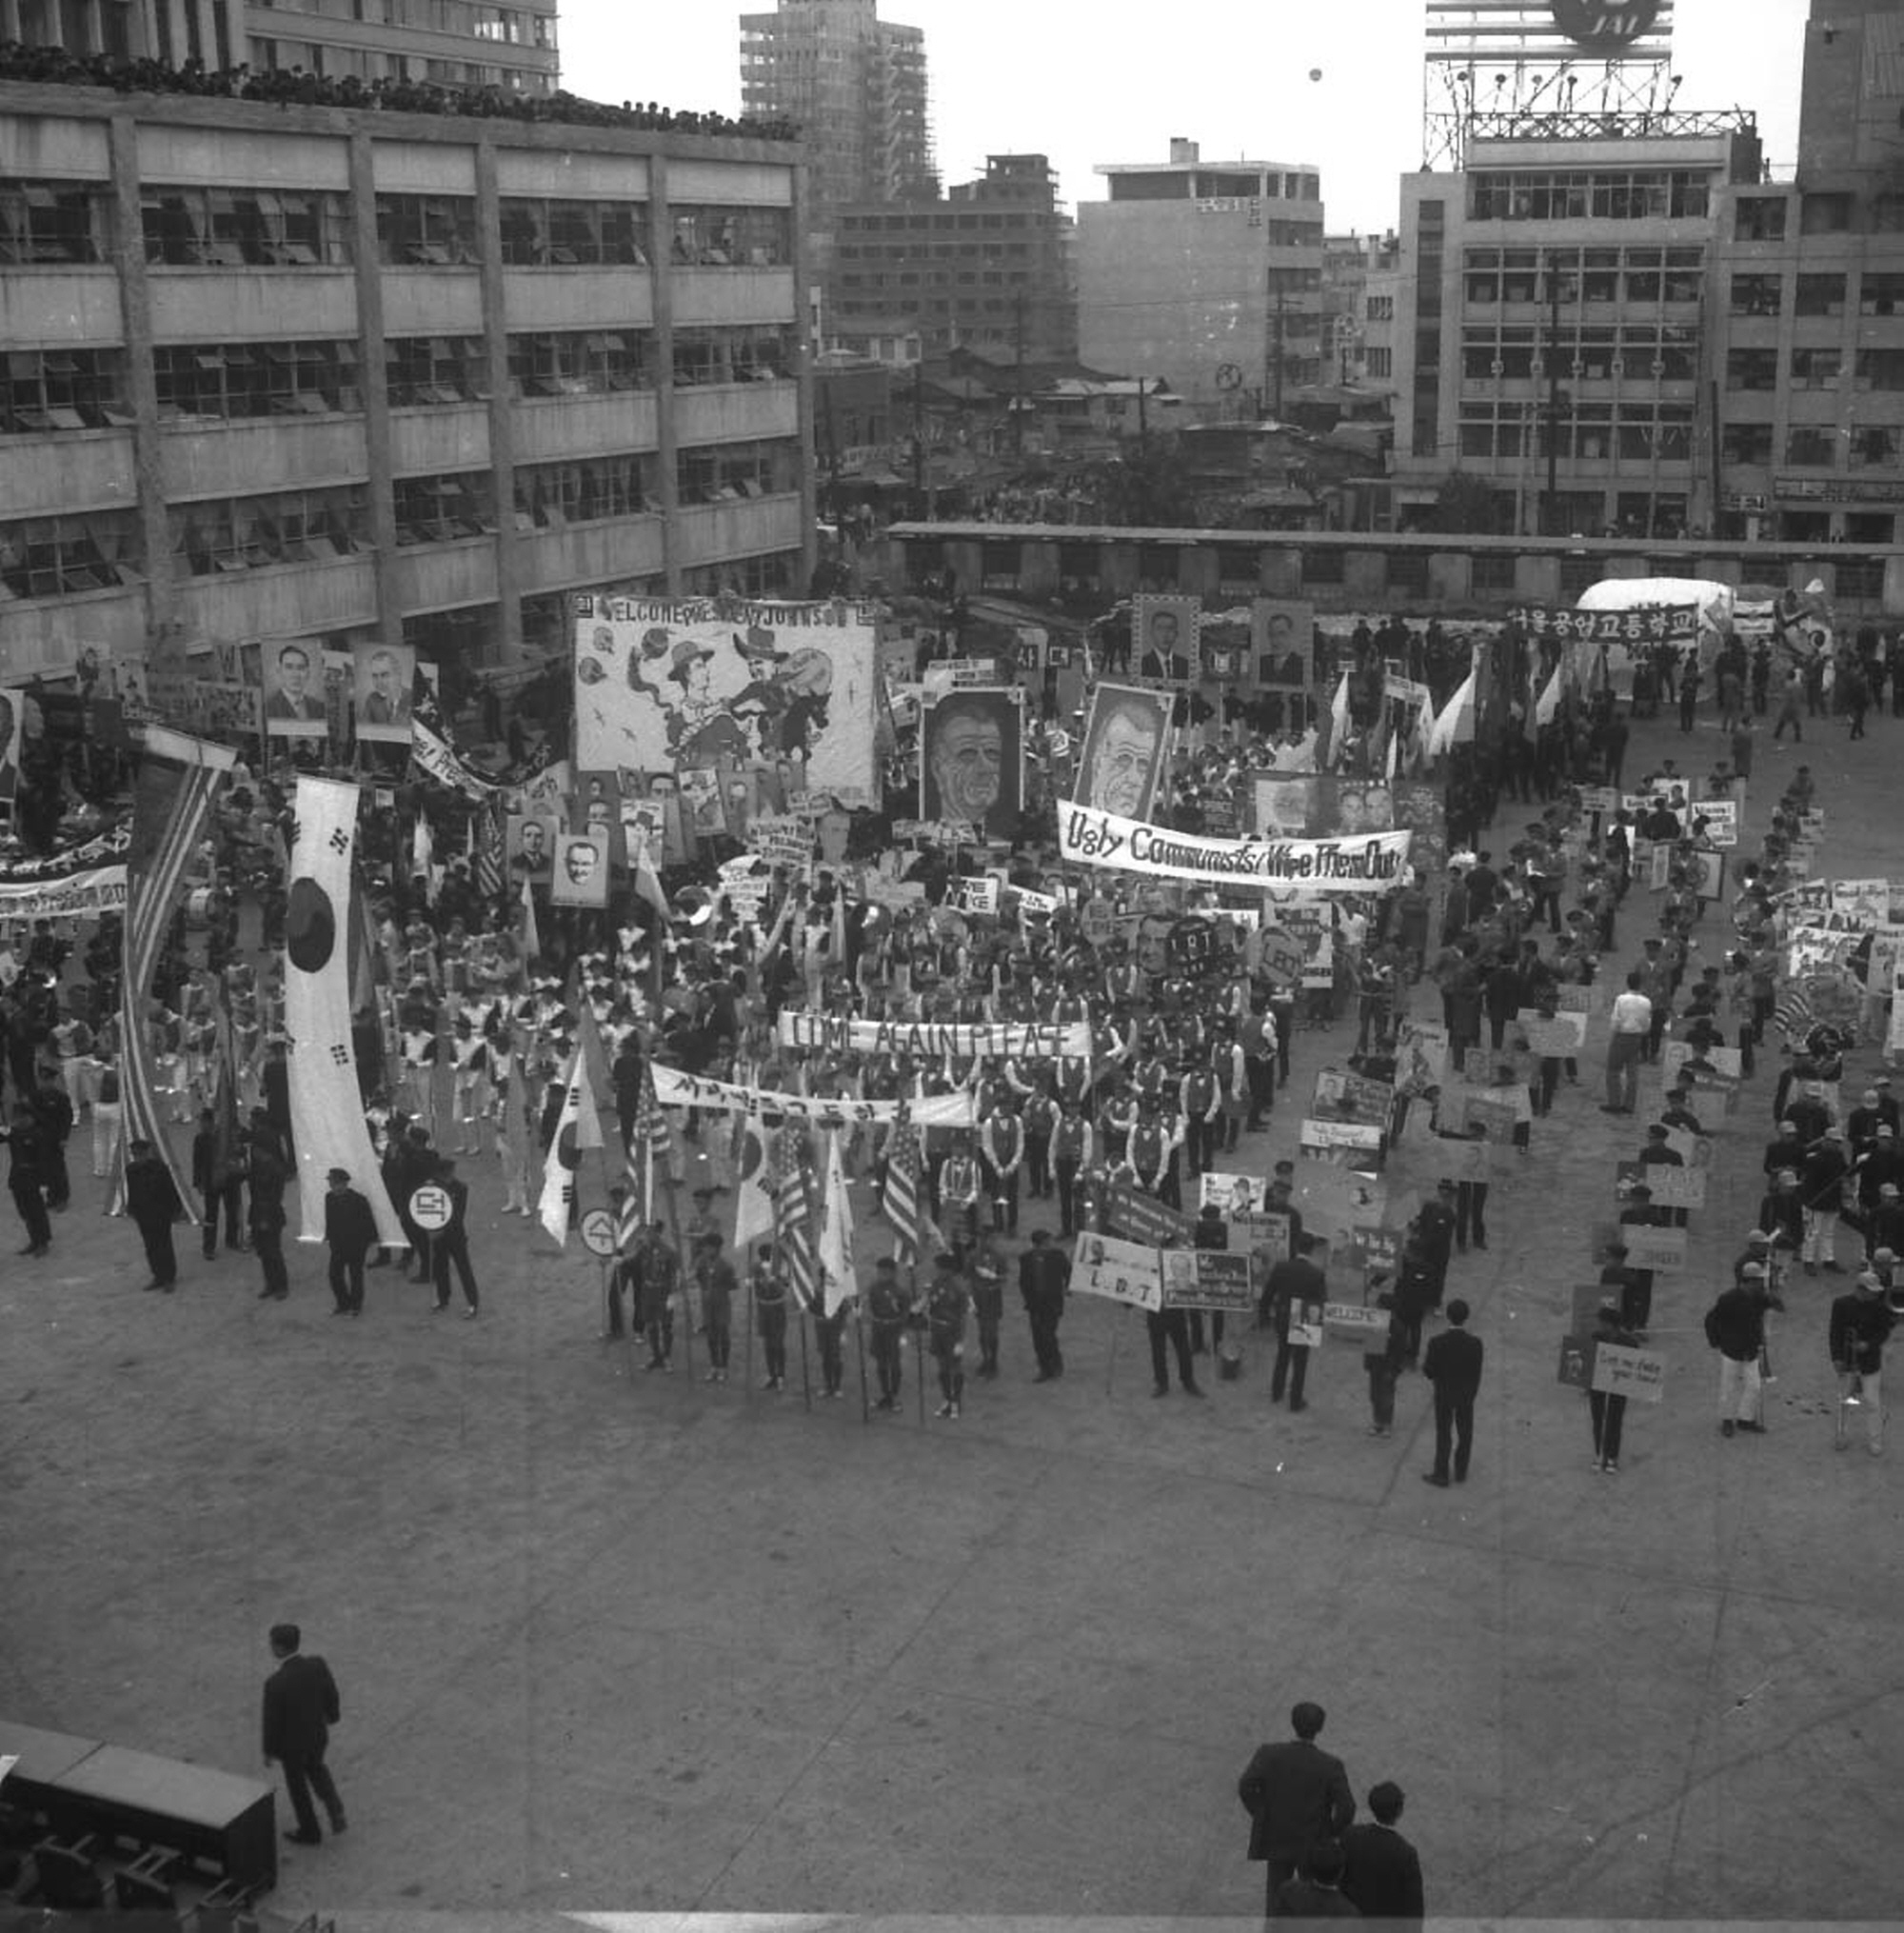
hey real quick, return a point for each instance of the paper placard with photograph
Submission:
(1341, 1095)
(1232, 1193)
(1421, 1055)
(1334, 1200)
(1283, 636)
(1677, 1058)
(1125, 749)
(580, 877)
(1207, 1279)
(1164, 638)
(1117, 1270)
(530, 848)
(1306, 1330)
(1344, 1144)
(1561, 1036)
(294, 691)
(381, 677)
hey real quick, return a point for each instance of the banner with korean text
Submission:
(1364, 863)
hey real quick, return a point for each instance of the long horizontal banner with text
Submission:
(1660, 624)
(1369, 862)
(675, 1089)
(80, 894)
(1005, 1039)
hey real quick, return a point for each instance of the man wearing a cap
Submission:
(1887, 1106)
(1608, 1411)
(1735, 1327)
(350, 1232)
(1785, 1150)
(1861, 1124)
(1821, 1186)
(1860, 1323)
(1886, 1229)
(1879, 1165)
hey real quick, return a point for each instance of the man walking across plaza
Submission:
(1295, 1286)
(1735, 1327)
(301, 1706)
(1861, 1324)
(26, 1181)
(350, 1231)
(1632, 1028)
(1451, 1362)
(1298, 1798)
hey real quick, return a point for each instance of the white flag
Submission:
(836, 1240)
(1548, 709)
(531, 934)
(580, 1127)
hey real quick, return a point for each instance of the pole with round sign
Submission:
(431, 1210)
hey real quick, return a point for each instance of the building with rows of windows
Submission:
(1809, 304)
(1554, 329)
(275, 372)
(451, 43)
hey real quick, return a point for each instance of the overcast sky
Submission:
(1088, 84)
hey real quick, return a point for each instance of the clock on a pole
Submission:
(1605, 26)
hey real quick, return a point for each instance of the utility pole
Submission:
(1018, 414)
(919, 433)
(1276, 373)
(1550, 507)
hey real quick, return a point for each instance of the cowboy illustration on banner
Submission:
(660, 684)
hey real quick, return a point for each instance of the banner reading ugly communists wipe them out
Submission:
(1369, 862)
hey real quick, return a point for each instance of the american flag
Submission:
(647, 1144)
(486, 855)
(793, 1220)
(1794, 1012)
(902, 1187)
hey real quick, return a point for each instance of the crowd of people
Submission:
(57, 66)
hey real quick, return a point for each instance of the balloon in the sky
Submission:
(1315, 73)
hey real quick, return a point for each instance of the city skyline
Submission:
(991, 67)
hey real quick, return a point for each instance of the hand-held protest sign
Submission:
(1009, 1040)
(1117, 1270)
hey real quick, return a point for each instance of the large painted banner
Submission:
(675, 1089)
(327, 1124)
(660, 684)
(177, 779)
(1358, 864)
(1004, 1039)
(80, 895)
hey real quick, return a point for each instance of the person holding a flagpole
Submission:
(946, 1303)
(714, 1276)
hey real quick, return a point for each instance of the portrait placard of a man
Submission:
(970, 767)
(381, 675)
(1126, 744)
(581, 874)
(293, 696)
(532, 847)
(1165, 630)
(1283, 636)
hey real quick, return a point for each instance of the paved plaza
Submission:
(610, 1640)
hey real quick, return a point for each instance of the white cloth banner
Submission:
(79, 895)
(1361, 862)
(675, 1089)
(1009, 1040)
(328, 1123)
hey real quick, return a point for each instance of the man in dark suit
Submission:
(300, 1707)
(1452, 1364)
(1383, 1879)
(352, 1231)
(1298, 1798)
(152, 1202)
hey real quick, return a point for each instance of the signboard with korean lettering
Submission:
(1673, 1188)
(1139, 1217)
(1117, 1270)
(1663, 1250)
(1345, 1143)
(1675, 623)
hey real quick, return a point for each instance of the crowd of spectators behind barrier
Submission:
(57, 67)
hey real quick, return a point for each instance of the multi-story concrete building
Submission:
(1360, 276)
(276, 372)
(988, 268)
(1551, 338)
(1809, 304)
(856, 84)
(454, 43)
(1208, 275)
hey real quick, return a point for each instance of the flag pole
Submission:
(920, 1350)
(860, 1342)
(805, 1373)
